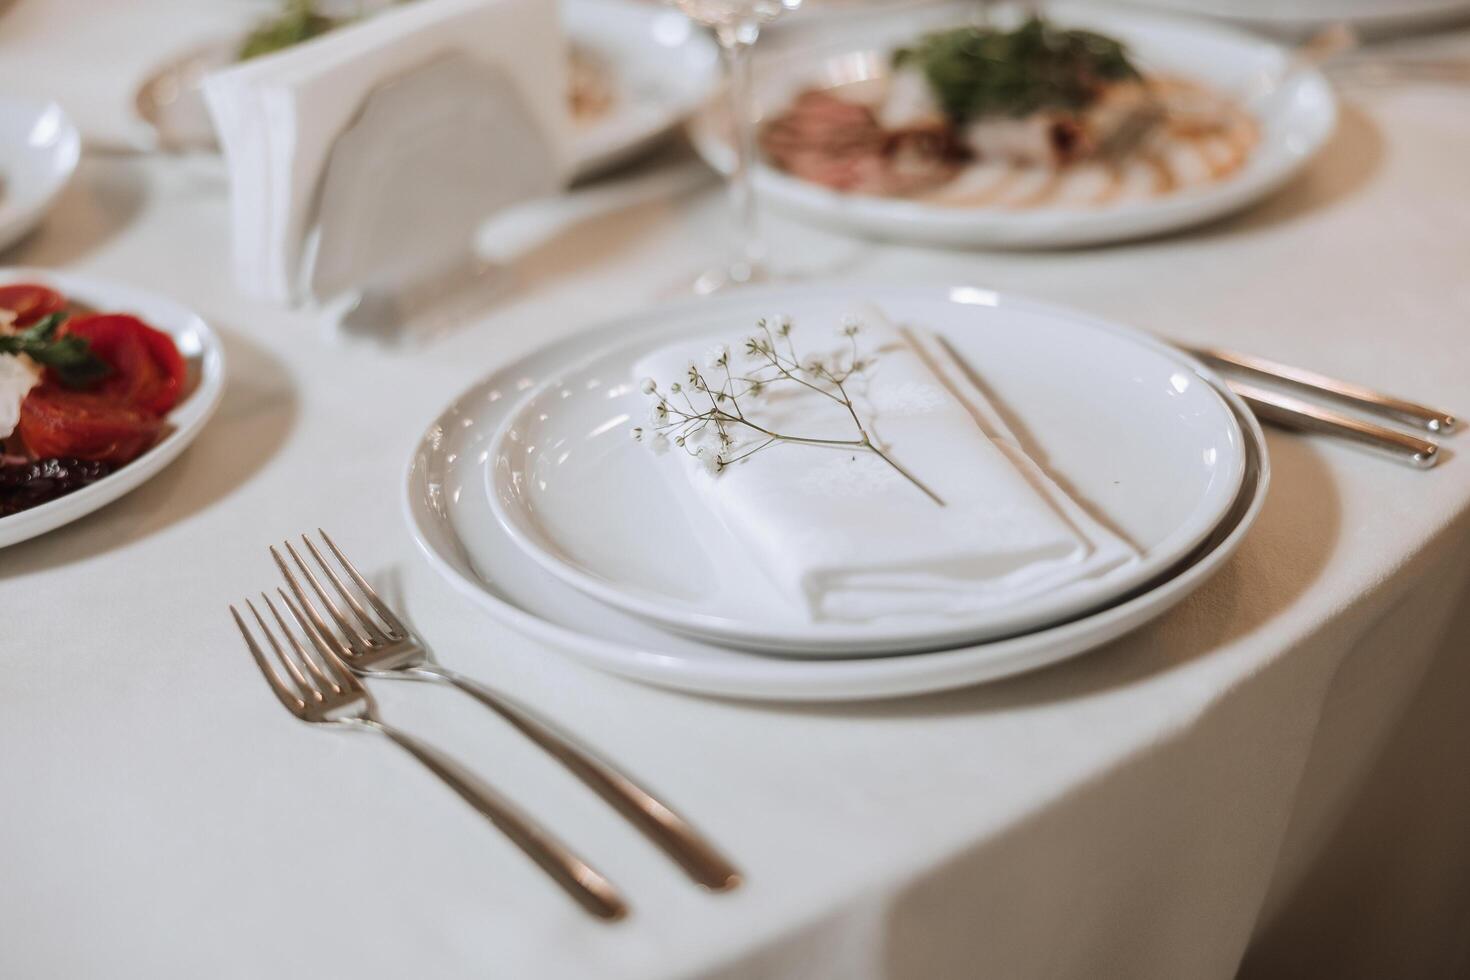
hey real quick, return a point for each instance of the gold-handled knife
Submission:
(1294, 413)
(1364, 399)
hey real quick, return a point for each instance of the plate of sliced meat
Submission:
(1076, 127)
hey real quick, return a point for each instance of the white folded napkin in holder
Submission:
(364, 161)
(431, 155)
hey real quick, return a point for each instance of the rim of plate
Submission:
(63, 150)
(622, 135)
(760, 677)
(880, 639)
(1306, 91)
(188, 417)
(596, 146)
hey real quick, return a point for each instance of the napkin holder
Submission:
(430, 156)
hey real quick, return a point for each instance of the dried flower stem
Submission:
(676, 415)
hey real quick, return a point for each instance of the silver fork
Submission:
(322, 690)
(387, 648)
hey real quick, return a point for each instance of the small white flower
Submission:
(659, 444)
(637, 433)
(648, 386)
(812, 364)
(852, 325)
(692, 373)
(710, 461)
(658, 414)
(717, 356)
(676, 387)
(781, 323)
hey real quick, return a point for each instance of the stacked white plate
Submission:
(529, 496)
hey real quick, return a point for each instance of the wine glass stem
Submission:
(735, 49)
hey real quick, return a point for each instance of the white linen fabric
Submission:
(845, 533)
(278, 116)
(1272, 782)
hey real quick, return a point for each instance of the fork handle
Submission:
(660, 824)
(590, 889)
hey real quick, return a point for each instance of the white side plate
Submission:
(449, 512)
(661, 69)
(39, 149)
(206, 363)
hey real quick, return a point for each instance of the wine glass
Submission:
(737, 25)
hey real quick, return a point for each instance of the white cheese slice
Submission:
(18, 374)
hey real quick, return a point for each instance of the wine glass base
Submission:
(730, 276)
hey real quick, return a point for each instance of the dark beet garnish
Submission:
(27, 484)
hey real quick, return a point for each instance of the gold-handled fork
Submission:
(319, 688)
(385, 647)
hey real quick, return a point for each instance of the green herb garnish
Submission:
(298, 22)
(981, 71)
(70, 358)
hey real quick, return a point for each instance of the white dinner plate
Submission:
(206, 384)
(449, 511)
(1296, 16)
(1118, 417)
(39, 149)
(658, 69)
(1296, 112)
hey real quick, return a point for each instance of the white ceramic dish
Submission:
(1297, 113)
(449, 512)
(1163, 465)
(1297, 16)
(39, 149)
(206, 363)
(660, 66)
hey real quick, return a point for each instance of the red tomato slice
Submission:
(147, 369)
(55, 421)
(29, 302)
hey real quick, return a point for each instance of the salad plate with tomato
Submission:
(101, 386)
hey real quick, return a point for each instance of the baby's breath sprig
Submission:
(705, 412)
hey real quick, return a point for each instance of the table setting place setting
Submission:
(741, 488)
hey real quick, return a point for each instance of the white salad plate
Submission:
(206, 384)
(660, 69)
(1296, 111)
(39, 149)
(1162, 466)
(1296, 16)
(450, 511)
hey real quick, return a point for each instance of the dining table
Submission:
(1270, 781)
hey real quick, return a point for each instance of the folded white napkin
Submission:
(278, 116)
(843, 532)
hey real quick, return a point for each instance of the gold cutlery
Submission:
(1294, 413)
(320, 689)
(1365, 399)
(383, 647)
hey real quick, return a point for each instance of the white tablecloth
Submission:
(1273, 780)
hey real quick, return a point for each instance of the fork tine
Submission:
(293, 702)
(372, 628)
(341, 648)
(302, 655)
(379, 606)
(342, 674)
(355, 640)
(293, 664)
